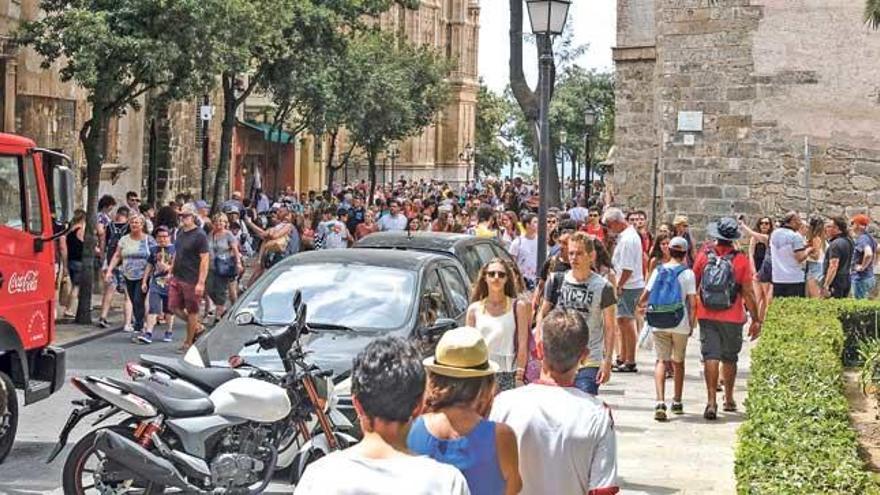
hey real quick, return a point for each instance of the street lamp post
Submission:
(589, 122)
(563, 139)
(467, 156)
(548, 19)
(393, 153)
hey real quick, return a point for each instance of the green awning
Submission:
(270, 133)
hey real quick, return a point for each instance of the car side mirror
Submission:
(440, 326)
(244, 318)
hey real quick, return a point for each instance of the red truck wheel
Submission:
(8, 415)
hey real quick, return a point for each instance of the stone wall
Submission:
(766, 75)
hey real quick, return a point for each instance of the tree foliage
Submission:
(395, 90)
(578, 91)
(493, 131)
(117, 50)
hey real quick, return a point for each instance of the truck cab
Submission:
(36, 201)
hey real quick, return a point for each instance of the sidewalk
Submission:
(686, 454)
(69, 334)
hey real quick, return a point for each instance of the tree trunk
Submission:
(331, 157)
(153, 164)
(371, 157)
(230, 105)
(92, 137)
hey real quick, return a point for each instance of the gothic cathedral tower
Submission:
(451, 27)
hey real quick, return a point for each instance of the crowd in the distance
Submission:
(546, 337)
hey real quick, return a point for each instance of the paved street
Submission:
(655, 458)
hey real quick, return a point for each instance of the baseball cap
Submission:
(342, 211)
(861, 219)
(201, 204)
(679, 244)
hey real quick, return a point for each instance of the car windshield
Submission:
(357, 296)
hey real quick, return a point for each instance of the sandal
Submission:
(711, 412)
(729, 406)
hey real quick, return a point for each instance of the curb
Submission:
(88, 338)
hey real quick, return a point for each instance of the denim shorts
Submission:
(720, 341)
(863, 287)
(626, 305)
(814, 270)
(585, 380)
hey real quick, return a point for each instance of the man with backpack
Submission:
(670, 297)
(724, 281)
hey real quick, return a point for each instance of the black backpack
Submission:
(718, 287)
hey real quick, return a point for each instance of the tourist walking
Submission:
(863, 281)
(759, 255)
(225, 264)
(189, 273)
(452, 428)
(566, 437)
(524, 250)
(113, 232)
(394, 220)
(669, 303)
(133, 254)
(816, 242)
(72, 258)
(789, 251)
(367, 227)
(583, 290)
(502, 320)
(155, 284)
(838, 259)
(387, 386)
(723, 277)
(628, 265)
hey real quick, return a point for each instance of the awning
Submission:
(270, 133)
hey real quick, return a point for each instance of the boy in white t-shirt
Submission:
(565, 436)
(387, 385)
(671, 336)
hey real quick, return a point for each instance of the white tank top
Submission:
(499, 333)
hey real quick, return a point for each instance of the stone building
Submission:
(724, 106)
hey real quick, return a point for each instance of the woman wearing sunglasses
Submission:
(502, 320)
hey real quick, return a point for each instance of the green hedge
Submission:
(797, 437)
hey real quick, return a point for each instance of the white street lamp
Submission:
(548, 16)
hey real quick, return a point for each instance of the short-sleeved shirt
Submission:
(785, 242)
(591, 297)
(688, 283)
(335, 234)
(220, 246)
(159, 278)
(135, 256)
(392, 223)
(595, 230)
(742, 274)
(566, 439)
(190, 246)
(841, 249)
(345, 473)
(628, 255)
(863, 242)
(525, 252)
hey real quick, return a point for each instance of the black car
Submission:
(473, 252)
(352, 296)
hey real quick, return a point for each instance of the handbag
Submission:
(223, 266)
(276, 245)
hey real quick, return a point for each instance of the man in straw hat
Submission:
(566, 436)
(387, 385)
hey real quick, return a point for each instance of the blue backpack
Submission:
(666, 304)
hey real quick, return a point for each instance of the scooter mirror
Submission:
(244, 318)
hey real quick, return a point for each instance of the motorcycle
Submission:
(227, 442)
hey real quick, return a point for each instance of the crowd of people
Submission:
(511, 398)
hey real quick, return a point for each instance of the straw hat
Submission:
(461, 353)
(680, 220)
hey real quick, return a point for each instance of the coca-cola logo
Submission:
(21, 283)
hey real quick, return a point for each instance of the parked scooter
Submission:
(227, 442)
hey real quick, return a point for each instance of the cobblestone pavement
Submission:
(685, 455)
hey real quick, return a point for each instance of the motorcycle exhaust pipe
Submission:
(140, 461)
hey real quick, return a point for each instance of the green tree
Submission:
(494, 117)
(872, 13)
(396, 91)
(117, 50)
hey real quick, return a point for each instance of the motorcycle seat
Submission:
(174, 408)
(206, 379)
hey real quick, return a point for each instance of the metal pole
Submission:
(807, 172)
(545, 153)
(574, 179)
(393, 177)
(589, 166)
(654, 194)
(205, 152)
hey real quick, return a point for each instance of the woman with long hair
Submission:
(510, 227)
(502, 320)
(759, 254)
(72, 256)
(367, 227)
(453, 428)
(659, 252)
(816, 241)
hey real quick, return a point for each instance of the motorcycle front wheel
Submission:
(84, 471)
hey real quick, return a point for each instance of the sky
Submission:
(594, 22)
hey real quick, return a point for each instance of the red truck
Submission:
(36, 199)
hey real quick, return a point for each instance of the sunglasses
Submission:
(551, 221)
(426, 219)
(764, 223)
(496, 274)
(594, 215)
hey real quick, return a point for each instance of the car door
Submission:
(457, 290)
(433, 299)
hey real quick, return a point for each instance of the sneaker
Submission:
(169, 337)
(128, 328)
(677, 408)
(146, 338)
(103, 323)
(660, 412)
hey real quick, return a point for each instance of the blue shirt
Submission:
(862, 242)
(474, 455)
